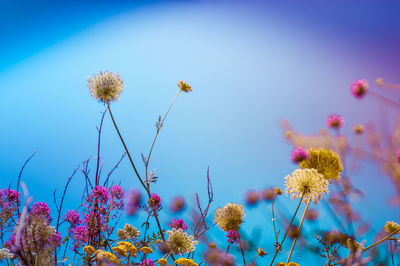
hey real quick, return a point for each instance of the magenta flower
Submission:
(41, 209)
(155, 201)
(252, 197)
(72, 217)
(178, 224)
(80, 235)
(10, 194)
(148, 262)
(299, 154)
(133, 202)
(359, 88)
(233, 236)
(99, 194)
(335, 121)
(398, 155)
(117, 192)
(55, 239)
(177, 204)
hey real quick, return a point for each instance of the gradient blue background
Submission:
(250, 64)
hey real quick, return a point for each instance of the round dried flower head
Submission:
(335, 121)
(392, 227)
(307, 184)
(278, 191)
(379, 82)
(180, 242)
(325, 161)
(229, 217)
(358, 129)
(106, 86)
(359, 88)
(299, 154)
(183, 86)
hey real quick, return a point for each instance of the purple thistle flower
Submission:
(133, 202)
(41, 209)
(233, 236)
(299, 154)
(178, 224)
(155, 201)
(177, 204)
(335, 121)
(359, 88)
(72, 217)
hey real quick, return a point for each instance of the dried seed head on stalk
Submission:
(106, 86)
(229, 217)
(325, 161)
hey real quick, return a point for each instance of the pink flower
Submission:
(359, 88)
(233, 236)
(178, 224)
(133, 202)
(72, 217)
(80, 235)
(11, 195)
(299, 154)
(398, 155)
(41, 209)
(177, 204)
(99, 194)
(252, 197)
(148, 262)
(155, 201)
(117, 192)
(335, 121)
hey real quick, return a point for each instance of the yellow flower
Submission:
(261, 252)
(184, 86)
(128, 246)
(325, 161)
(146, 250)
(278, 191)
(391, 227)
(230, 217)
(89, 250)
(162, 262)
(120, 250)
(185, 262)
(109, 257)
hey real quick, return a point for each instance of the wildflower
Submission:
(41, 209)
(178, 224)
(358, 129)
(146, 250)
(307, 184)
(229, 217)
(335, 121)
(379, 82)
(268, 194)
(155, 201)
(5, 254)
(233, 236)
(80, 235)
(177, 204)
(89, 250)
(120, 250)
(109, 257)
(128, 247)
(106, 86)
(148, 262)
(117, 192)
(392, 227)
(212, 245)
(99, 194)
(299, 154)
(129, 232)
(183, 86)
(133, 202)
(72, 217)
(353, 245)
(312, 215)
(252, 197)
(359, 88)
(162, 262)
(325, 161)
(398, 156)
(261, 252)
(278, 191)
(179, 242)
(185, 262)
(12, 196)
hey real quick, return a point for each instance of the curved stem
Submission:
(287, 231)
(127, 151)
(241, 250)
(295, 239)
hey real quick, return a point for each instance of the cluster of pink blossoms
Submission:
(359, 88)
(335, 121)
(299, 154)
(233, 236)
(178, 224)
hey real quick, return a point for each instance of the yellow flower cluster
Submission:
(185, 262)
(162, 262)
(392, 227)
(127, 247)
(89, 250)
(105, 256)
(146, 250)
(183, 86)
(289, 264)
